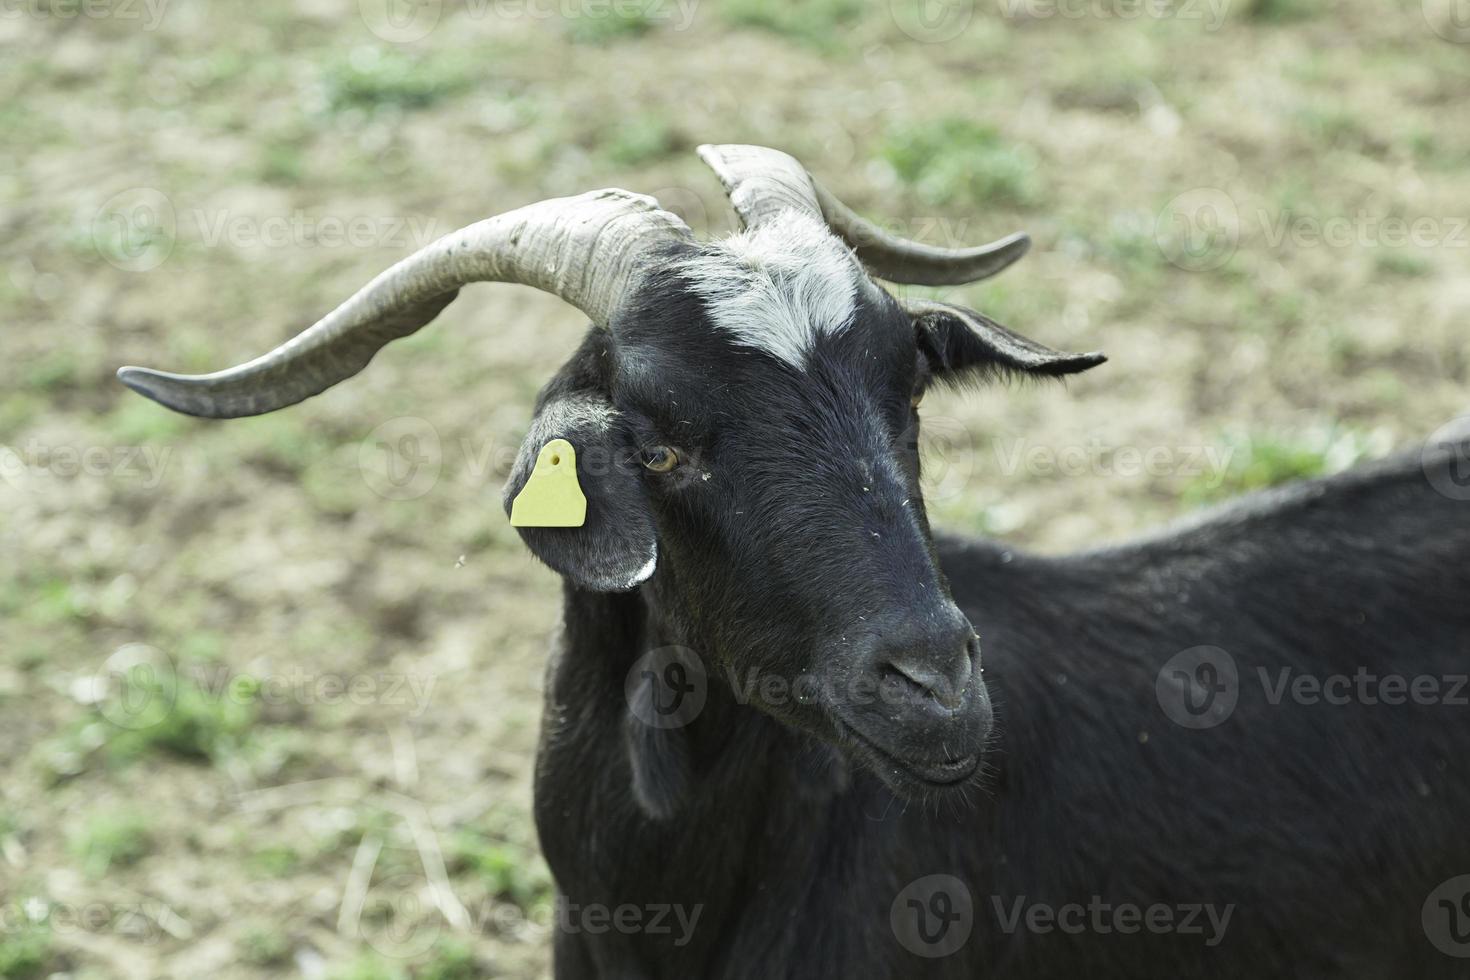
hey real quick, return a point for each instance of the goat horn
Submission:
(762, 182)
(587, 249)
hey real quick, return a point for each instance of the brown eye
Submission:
(915, 398)
(660, 459)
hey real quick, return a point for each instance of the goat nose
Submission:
(945, 676)
(946, 682)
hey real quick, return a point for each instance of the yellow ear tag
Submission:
(551, 497)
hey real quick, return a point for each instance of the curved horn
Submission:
(586, 249)
(762, 182)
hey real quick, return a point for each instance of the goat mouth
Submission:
(900, 773)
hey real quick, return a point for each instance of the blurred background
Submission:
(270, 689)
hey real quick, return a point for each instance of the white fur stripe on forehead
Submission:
(779, 286)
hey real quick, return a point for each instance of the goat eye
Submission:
(660, 459)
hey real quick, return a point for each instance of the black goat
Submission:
(1238, 749)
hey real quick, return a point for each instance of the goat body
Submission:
(1299, 837)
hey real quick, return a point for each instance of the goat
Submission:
(766, 710)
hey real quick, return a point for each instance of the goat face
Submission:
(755, 409)
(743, 421)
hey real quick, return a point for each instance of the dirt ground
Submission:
(269, 689)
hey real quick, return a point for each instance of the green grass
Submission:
(382, 77)
(114, 839)
(500, 852)
(956, 161)
(1278, 11)
(263, 947)
(25, 950)
(607, 26)
(368, 967)
(1268, 460)
(450, 961)
(816, 23)
(1402, 262)
(641, 139)
(276, 860)
(200, 725)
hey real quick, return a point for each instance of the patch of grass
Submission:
(498, 850)
(378, 77)
(115, 839)
(1277, 11)
(1400, 262)
(1268, 460)
(640, 140)
(816, 23)
(138, 421)
(367, 967)
(606, 26)
(25, 951)
(276, 860)
(198, 724)
(956, 161)
(451, 961)
(264, 947)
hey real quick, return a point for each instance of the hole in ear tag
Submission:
(551, 497)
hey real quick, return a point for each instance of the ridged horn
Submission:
(762, 182)
(588, 249)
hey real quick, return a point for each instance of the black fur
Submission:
(793, 544)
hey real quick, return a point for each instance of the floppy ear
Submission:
(616, 548)
(962, 343)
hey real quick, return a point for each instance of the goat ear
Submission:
(616, 548)
(960, 342)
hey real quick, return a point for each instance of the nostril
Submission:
(924, 680)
